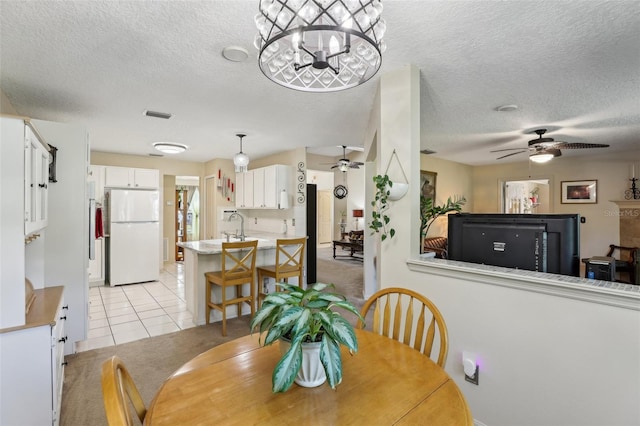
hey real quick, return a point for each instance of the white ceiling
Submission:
(572, 67)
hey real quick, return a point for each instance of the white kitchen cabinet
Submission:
(125, 177)
(244, 190)
(36, 181)
(268, 184)
(32, 363)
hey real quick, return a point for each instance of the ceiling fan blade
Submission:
(359, 163)
(354, 166)
(352, 148)
(509, 155)
(579, 145)
(508, 149)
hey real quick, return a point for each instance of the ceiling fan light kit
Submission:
(543, 150)
(320, 45)
(541, 157)
(344, 164)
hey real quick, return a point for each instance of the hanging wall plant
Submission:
(386, 190)
(379, 219)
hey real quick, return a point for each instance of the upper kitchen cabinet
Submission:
(244, 190)
(124, 177)
(262, 188)
(36, 181)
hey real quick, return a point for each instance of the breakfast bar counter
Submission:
(204, 256)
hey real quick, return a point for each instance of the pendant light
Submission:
(241, 160)
(320, 45)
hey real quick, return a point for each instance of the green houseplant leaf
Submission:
(305, 316)
(379, 220)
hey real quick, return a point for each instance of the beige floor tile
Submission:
(151, 313)
(99, 332)
(98, 322)
(163, 319)
(157, 330)
(99, 342)
(123, 318)
(130, 336)
(126, 327)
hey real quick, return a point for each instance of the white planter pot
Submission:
(398, 190)
(311, 373)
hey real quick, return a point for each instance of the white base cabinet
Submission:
(32, 363)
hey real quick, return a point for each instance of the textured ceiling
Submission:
(572, 67)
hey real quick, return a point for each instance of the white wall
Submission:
(544, 360)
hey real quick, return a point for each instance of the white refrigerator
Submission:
(133, 254)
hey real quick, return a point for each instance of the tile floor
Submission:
(132, 312)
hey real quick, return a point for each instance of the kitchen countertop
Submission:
(265, 241)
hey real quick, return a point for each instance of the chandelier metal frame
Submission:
(320, 45)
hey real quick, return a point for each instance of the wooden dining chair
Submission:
(393, 316)
(118, 389)
(238, 262)
(289, 263)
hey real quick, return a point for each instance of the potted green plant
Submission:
(430, 212)
(379, 219)
(305, 323)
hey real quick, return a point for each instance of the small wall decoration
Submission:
(428, 184)
(340, 192)
(579, 192)
(302, 183)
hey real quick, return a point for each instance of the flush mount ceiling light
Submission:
(320, 45)
(241, 160)
(170, 148)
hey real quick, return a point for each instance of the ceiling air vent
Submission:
(427, 151)
(156, 114)
(156, 155)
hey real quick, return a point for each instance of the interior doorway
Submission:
(526, 196)
(187, 212)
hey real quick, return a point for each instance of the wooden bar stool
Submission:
(238, 268)
(289, 263)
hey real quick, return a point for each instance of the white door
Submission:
(325, 218)
(134, 253)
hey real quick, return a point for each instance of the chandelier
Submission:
(241, 160)
(320, 45)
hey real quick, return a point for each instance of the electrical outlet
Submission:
(255, 221)
(293, 222)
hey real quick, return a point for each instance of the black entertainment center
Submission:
(536, 242)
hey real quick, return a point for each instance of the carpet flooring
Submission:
(150, 361)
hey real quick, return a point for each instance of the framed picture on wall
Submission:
(428, 184)
(579, 191)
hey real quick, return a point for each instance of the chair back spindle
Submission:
(401, 326)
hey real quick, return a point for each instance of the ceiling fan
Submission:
(344, 163)
(542, 149)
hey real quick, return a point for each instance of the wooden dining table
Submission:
(384, 383)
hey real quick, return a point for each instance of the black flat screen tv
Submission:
(535, 242)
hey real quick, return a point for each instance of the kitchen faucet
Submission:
(234, 214)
